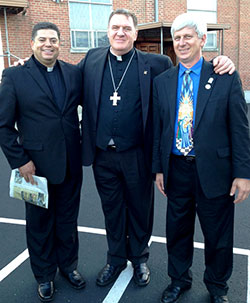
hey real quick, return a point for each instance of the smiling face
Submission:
(121, 34)
(46, 46)
(188, 46)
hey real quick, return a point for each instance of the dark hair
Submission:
(44, 25)
(127, 13)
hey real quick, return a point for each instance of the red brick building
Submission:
(83, 25)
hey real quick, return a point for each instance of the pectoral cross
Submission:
(115, 98)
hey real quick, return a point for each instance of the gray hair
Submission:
(191, 21)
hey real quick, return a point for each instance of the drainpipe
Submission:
(156, 11)
(6, 34)
(238, 35)
(157, 20)
(161, 40)
(1, 56)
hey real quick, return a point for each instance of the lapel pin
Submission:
(210, 80)
(145, 72)
(207, 86)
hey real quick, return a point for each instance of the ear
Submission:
(136, 35)
(203, 40)
(32, 44)
(108, 32)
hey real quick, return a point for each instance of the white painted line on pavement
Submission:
(12, 221)
(158, 239)
(124, 278)
(248, 281)
(101, 231)
(13, 264)
(241, 251)
(120, 285)
(91, 230)
(236, 251)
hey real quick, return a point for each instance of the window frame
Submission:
(214, 47)
(92, 34)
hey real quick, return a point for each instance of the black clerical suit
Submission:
(122, 172)
(202, 184)
(44, 108)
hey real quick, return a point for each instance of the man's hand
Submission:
(20, 61)
(160, 184)
(27, 171)
(243, 188)
(223, 65)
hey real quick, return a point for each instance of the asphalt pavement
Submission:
(17, 284)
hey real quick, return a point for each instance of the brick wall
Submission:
(144, 9)
(236, 43)
(20, 27)
(244, 43)
(233, 12)
(168, 10)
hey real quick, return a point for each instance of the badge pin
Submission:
(207, 86)
(210, 80)
(145, 72)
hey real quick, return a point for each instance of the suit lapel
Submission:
(66, 78)
(145, 85)
(98, 72)
(37, 76)
(171, 93)
(207, 81)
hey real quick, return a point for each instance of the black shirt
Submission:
(55, 81)
(122, 123)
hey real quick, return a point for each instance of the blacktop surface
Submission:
(17, 284)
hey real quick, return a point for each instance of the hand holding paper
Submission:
(36, 193)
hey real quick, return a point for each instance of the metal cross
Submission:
(115, 98)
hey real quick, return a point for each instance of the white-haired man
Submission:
(201, 155)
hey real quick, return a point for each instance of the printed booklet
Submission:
(36, 194)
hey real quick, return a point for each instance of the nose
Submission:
(182, 41)
(120, 31)
(48, 42)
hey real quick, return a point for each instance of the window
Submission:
(88, 23)
(208, 11)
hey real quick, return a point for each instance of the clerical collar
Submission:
(123, 57)
(46, 68)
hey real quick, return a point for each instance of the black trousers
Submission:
(216, 216)
(125, 186)
(52, 236)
